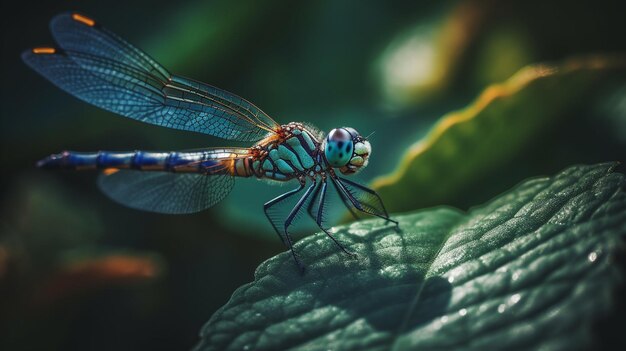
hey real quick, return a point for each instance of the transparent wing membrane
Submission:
(77, 33)
(173, 193)
(196, 96)
(102, 69)
(121, 96)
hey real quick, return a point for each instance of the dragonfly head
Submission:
(346, 149)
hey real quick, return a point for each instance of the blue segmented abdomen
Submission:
(196, 161)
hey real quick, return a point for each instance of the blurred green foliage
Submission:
(466, 148)
(532, 269)
(389, 67)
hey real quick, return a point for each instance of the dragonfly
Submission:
(97, 66)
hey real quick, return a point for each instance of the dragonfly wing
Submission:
(173, 193)
(78, 33)
(136, 101)
(233, 116)
(99, 67)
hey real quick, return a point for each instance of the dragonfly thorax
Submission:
(293, 152)
(346, 149)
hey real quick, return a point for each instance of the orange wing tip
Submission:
(109, 171)
(44, 50)
(83, 19)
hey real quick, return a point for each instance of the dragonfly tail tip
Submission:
(41, 163)
(50, 162)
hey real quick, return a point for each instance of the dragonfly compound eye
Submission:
(360, 157)
(338, 147)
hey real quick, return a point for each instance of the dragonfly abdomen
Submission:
(180, 162)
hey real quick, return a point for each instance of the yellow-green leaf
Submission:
(500, 124)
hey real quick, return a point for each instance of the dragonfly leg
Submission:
(346, 202)
(374, 207)
(311, 208)
(268, 205)
(319, 219)
(292, 216)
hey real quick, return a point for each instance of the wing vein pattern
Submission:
(98, 67)
(171, 192)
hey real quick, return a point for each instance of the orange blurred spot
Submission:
(86, 20)
(94, 273)
(109, 171)
(44, 50)
(114, 268)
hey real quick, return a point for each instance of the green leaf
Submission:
(507, 119)
(532, 268)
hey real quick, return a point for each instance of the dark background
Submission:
(78, 271)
